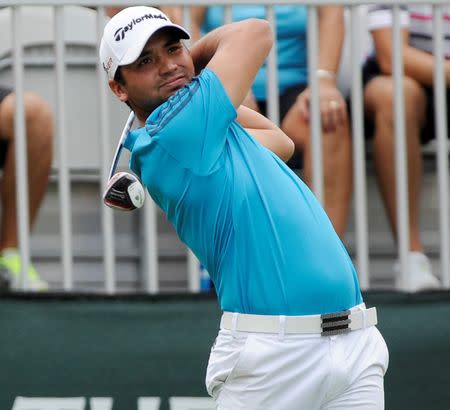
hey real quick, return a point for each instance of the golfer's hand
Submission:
(250, 101)
(333, 109)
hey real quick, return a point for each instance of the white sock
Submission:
(10, 252)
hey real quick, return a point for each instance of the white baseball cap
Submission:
(126, 34)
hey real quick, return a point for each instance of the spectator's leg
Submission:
(379, 95)
(39, 124)
(337, 158)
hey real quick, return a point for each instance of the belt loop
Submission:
(282, 330)
(234, 322)
(363, 312)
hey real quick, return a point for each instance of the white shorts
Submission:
(263, 371)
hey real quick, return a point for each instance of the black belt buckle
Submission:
(335, 323)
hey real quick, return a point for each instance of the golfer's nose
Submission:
(167, 64)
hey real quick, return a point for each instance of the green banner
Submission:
(151, 354)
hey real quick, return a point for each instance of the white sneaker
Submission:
(419, 274)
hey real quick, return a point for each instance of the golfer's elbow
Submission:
(261, 34)
(281, 144)
(286, 149)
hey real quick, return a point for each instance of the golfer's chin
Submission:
(166, 94)
(173, 92)
(175, 89)
(172, 87)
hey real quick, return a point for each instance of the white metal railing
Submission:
(442, 151)
(400, 146)
(150, 246)
(64, 178)
(359, 168)
(20, 151)
(107, 214)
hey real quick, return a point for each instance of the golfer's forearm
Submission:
(275, 140)
(204, 49)
(230, 37)
(266, 132)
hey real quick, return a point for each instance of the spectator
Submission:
(294, 93)
(39, 126)
(418, 63)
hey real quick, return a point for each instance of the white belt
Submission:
(327, 325)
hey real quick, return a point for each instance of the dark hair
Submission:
(118, 76)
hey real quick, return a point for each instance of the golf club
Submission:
(124, 191)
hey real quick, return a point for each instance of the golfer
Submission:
(295, 333)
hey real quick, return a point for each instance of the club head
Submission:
(124, 192)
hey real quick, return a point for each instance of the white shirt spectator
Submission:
(418, 19)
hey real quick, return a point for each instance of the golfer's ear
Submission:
(119, 90)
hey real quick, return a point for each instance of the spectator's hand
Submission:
(250, 101)
(333, 109)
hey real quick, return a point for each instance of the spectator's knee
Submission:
(415, 100)
(380, 97)
(7, 117)
(39, 119)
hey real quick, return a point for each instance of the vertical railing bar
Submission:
(228, 14)
(442, 145)
(63, 165)
(20, 148)
(315, 123)
(400, 153)
(193, 266)
(187, 20)
(273, 109)
(192, 263)
(106, 213)
(359, 164)
(150, 253)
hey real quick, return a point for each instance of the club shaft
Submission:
(119, 148)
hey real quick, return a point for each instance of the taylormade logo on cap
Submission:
(126, 34)
(120, 33)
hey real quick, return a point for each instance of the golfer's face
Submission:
(163, 67)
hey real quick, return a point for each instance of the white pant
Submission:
(261, 371)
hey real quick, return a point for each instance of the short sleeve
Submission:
(380, 17)
(192, 126)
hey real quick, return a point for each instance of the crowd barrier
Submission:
(58, 36)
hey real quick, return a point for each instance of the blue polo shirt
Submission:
(260, 232)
